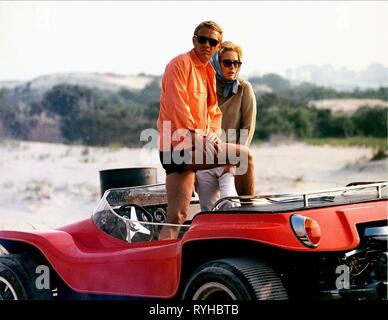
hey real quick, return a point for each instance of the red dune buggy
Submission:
(324, 244)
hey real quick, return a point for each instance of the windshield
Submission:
(134, 214)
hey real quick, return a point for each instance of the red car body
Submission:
(87, 260)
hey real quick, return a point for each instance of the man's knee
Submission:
(250, 157)
(245, 161)
(247, 154)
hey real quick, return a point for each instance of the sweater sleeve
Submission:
(248, 116)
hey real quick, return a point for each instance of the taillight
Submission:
(307, 230)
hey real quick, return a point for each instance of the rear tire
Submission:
(11, 287)
(17, 279)
(234, 279)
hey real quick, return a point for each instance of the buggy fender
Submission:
(90, 261)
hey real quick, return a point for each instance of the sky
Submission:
(38, 38)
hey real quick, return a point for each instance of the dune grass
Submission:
(369, 142)
(379, 145)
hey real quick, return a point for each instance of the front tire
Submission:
(234, 279)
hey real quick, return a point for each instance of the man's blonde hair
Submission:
(230, 46)
(211, 25)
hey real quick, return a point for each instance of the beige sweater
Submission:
(238, 112)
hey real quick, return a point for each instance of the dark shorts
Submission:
(175, 160)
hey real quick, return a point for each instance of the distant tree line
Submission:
(289, 117)
(306, 91)
(75, 114)
(285, 111)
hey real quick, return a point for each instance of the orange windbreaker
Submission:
(188, 100)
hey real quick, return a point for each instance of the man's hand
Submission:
(207, 145)
(212, 136)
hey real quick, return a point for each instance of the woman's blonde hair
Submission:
(230, 46)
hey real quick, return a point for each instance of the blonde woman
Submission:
(237, 102)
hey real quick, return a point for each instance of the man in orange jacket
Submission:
(189, 124)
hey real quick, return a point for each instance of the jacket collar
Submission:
(194, 57)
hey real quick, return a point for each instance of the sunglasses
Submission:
(228, 63)
(203, 39)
